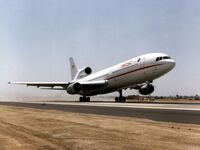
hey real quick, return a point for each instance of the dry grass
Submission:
(26, 128)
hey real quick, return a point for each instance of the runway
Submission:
(179, 113)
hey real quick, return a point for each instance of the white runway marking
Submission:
(130, 105)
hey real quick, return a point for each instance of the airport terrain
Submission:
(38, 128)
(166, 112)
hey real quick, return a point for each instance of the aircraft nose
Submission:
(171, 64)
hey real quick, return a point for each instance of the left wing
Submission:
(86, 85)
(50, 85)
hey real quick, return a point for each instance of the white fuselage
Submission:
(136, 73)
(130, 73)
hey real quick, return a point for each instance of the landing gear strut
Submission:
(84, 99)
(120, 98)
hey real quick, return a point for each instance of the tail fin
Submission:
(73, 68)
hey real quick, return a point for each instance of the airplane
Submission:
(137, 73)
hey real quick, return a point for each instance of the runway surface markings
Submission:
(129, 105)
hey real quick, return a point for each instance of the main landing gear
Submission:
(84, 99)
(120, 98)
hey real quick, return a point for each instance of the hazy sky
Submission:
(38, 36)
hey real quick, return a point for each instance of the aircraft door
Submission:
(142, 65)
(142, 62)
(155, 70)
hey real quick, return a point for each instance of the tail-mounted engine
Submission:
(84, 72)
(146, 89)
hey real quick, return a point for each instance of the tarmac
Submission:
(165, 112)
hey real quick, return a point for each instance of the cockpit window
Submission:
(138, 60)
(158, 58)
(164, 57)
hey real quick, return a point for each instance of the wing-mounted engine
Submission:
(83, 73)
(146, 89)
(85, 87)
(74, 88)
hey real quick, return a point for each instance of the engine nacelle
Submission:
(146, 89)
(84, 72)
(74, 88)
(88, 70)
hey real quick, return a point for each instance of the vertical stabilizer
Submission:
(73, 68)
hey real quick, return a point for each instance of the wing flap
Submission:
(100, 82)
(49, 88)
(93, 85)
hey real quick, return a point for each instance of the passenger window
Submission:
(138, 60)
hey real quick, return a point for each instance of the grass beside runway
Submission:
(28, 128)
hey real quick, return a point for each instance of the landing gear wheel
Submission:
(123, 99)
(87, 99)
(117, 99)
(120, 98)
(84, 99)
